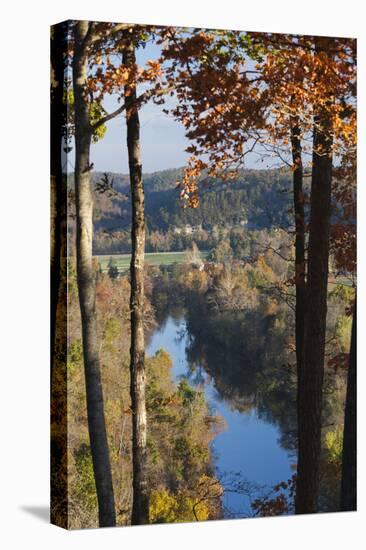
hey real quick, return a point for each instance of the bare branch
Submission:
(108, 117)
(143, 98)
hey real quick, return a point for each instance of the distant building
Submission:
(187, 229)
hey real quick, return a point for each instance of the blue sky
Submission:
(163, 142)
(162, 138)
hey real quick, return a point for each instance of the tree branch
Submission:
(108, 117)
(139, 101)
(112, 30)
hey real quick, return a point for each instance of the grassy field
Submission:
(152, 258)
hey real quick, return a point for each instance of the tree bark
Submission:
(58, 241)
(349, 454)
(312, 371)
(58, 189)
(86, 283)
(298, 198)
(140, 506)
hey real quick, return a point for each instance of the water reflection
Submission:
(250, 391)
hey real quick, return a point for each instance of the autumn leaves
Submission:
(291, 99)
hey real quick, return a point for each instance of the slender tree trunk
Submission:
(140, 507)
(86, 283)
(312, 371)
(299, 245)
(349, 455)
(58, 195)
(58, 344)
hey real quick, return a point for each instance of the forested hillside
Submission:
(256, 199)
(256, 196)
(216, 376)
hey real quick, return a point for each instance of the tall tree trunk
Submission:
(58, 194)
(312, 371)
(86, 283)
(298, 198)
(140, 507)
(349, 454)
(58, 344)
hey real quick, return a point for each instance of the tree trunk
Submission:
(58, 238)
(349, 454)
(86, 283)
(140, 507)
(312, 371)
(299, 246)
(58, 194)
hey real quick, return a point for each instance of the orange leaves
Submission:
(108, 78)
(190, 47)
(189, 183)
(106, 72)
(152, 72)
(280, 502)
(303, 79)
(343, 227)
(217, 102)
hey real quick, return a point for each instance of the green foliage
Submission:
(255, 51)
(181, 507)
(96, 112)
(159, 392)
(256, 278)
(113, 268)
(74, 355)
(333, 445)
(240, 244)
(112, 331)
(178, 442)
(72, 286)
(187, 394)
(247, 330)
(163, 507)
(343, 330)
(84, 487)
(254, 201)
(342, 293)
(222, 253)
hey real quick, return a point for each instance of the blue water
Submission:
(248, 447)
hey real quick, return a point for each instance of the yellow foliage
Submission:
(162, 507)
(334, 444)
(182, 507)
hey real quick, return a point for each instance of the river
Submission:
(248, 448)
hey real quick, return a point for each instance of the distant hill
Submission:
(257, 199)
(259, 196)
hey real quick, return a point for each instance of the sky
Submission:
(163, 142)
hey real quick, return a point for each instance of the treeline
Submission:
(256, 199)
(300, 106)
(237, 316)
(180, 424)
